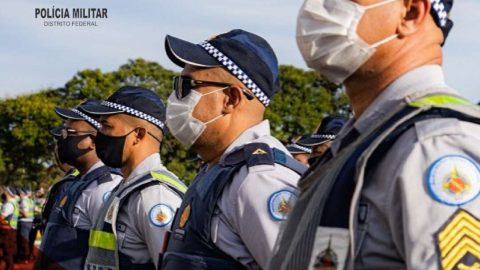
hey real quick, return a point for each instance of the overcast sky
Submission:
(33, 56)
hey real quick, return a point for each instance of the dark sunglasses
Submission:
(67, 132)
(184, 85)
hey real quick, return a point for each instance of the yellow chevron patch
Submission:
(259, 151)
(459, 242)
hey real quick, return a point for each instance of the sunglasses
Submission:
(184, 85)
(63, 132)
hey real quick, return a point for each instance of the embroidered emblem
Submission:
(160, 215)
(326, 259)
(454, 180)
(280, 204)
(63, 201)
(458, 242)
(106, 195)
(259, 151)
(184, 216)
(110, 213)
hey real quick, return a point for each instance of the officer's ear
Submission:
(92, 144)
(140, 134)
(233, 98)
(414, 14)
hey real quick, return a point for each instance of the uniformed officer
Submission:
(8, 226)
(38, 202)
(298, 151)
(57, 189)
(231, 214)
(65, 241)
(131, 226)
(25, 223)
(323, 136)
(399, 188)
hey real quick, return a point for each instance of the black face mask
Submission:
(68, 151)
(110, 149)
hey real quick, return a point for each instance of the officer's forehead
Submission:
(76, 124)
(113, 119)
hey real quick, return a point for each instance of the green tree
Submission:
(25, 151)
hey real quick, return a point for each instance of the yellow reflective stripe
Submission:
(439, 100)
(162, 177)
(100, 239)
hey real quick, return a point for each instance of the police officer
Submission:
(399, 189)
(298, 151)
(57, 189)
(38, 203)
(232, 212)
(25, 223)
(65, 241)
(131, 226)
(323, 136)
(8, 226)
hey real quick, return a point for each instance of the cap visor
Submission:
(182, 52)
(312, 141)
(56, 131)
(68, 114)
(98, 109)
(294, 150)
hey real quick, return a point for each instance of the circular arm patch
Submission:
(454, 180)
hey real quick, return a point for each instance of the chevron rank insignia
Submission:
(259, 151)
(458, 242)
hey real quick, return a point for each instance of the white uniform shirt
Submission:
(88, 205)
(402, 217)
(243, 227)
(140, 237)
(7, 209)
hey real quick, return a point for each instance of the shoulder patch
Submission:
(106, 195)
(258, 154)
(63, 201)
(458, 242)
(280, 203)
(160, 215)
(454, 180)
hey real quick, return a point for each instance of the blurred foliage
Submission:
(25, 142)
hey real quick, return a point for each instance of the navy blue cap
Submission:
(296, 148)
(245, 55)
(11, 190)
(327, 131)
(78, 113)
(135, 101)
(56, 132)
(440, 11)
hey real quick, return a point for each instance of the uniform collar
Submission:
(95, 166)
(151, 163)
(260, 130)
(416, 83)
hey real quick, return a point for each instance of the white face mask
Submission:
(328, 40)
(180, 120)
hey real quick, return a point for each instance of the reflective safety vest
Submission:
(190, 245)
(103, 251)
(30, 207)
(12, 219)
(334, 201)
(63, 244)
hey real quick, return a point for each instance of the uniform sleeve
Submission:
(257, 208)
(157, 208)
(435, 184)
(7, 209)
(97, 196)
